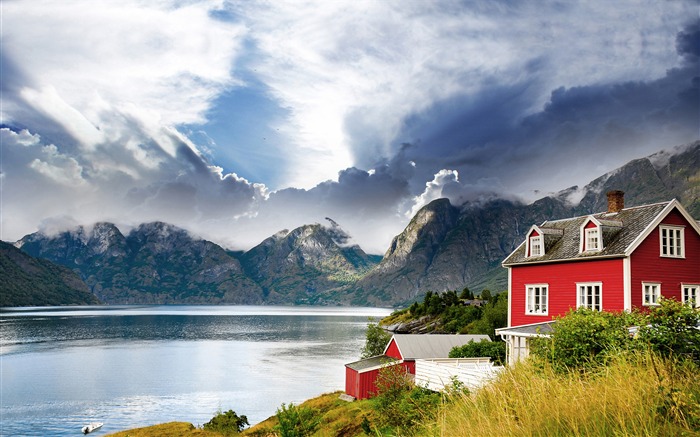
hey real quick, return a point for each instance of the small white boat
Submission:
(90, 427)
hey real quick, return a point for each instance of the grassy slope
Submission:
(635, 396)
(338, 418)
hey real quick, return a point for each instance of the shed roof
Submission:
(621, 234)
(415, 346)
(370, 363)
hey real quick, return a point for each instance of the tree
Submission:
(496, 350)
(485, 294)
(228, 423)
(466, 294)
(376, 339)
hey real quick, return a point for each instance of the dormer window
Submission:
(535, 244)
(592, 236)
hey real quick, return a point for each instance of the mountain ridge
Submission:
(444, 247)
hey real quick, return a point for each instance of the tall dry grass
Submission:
(637, 395)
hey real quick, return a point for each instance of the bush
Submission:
(584, 338)
(496, 350)
(400, 404)
(228, 423)
(295, 421)
(671, 330)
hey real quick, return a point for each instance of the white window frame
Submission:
(534, 299)
(651, 299)
(592, 235)
(691, 293)
(672, 241)
(536, 242)
(582, 290)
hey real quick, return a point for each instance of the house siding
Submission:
(392, 350)
(562, 279)
(647, 265)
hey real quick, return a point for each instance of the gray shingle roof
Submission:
(370, 363)
(416, 346)
(620, 230)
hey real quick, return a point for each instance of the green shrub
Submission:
(494, 349)
(671, 330)
(584, 338)
(228, 423)
(296, 421)
(400, 405)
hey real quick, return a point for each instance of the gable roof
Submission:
(416, 346)
(622, 232)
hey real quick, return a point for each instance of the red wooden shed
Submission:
(403, 350)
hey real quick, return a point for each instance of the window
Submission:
(671, 241)
(536, 246)
(536, 299)
(690, 294)
(590, 295)
(592, 239)
(651, 292)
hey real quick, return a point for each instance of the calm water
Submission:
(137, 366)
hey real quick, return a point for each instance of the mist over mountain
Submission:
(447, 248)
(444, 247)
(154, 263)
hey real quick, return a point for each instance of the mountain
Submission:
(155, 263)
(158, 263)
(447, 248)
(27, 281)
(444, 247)
(304, 266)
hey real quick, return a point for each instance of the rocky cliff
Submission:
(448, 248)
(301, 266)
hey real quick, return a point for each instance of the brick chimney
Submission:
(616, 201)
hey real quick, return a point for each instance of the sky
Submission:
(238, 119)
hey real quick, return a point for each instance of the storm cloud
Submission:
(360, 112)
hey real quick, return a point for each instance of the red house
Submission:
(616, 260)
(402, 350)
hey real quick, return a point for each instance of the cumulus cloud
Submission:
(103, 108)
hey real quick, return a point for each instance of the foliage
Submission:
(376, 339)
(400, 405)
(296, 421)
(671, 329)
(494, 349)
(584, 338)
(625, 398)
(466, 294)
(228, 423)
(454, 315)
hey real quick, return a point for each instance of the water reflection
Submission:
(136, 367)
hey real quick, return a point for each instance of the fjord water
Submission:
(133, 366)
